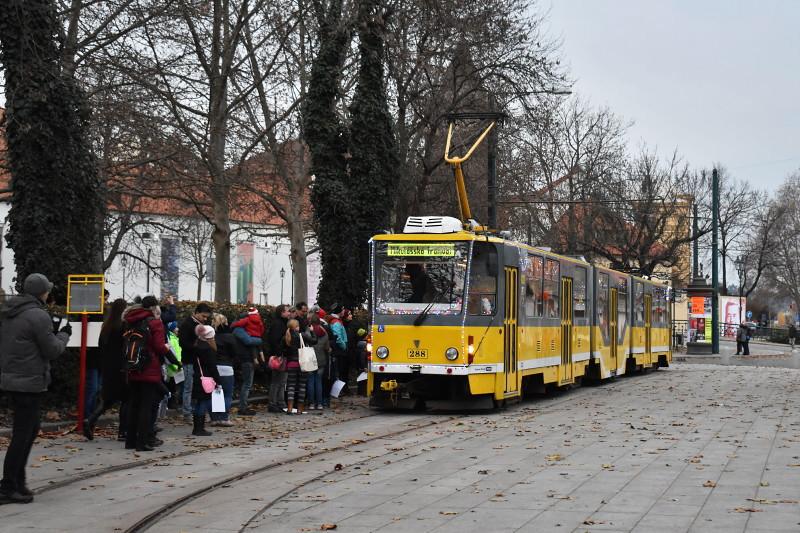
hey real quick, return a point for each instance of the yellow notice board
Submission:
(419, 249)
(85, 294)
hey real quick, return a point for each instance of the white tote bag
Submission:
(307, 356)
(217, 401)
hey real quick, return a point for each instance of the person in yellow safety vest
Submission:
(173, 369)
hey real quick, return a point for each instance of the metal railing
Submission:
(680, 332)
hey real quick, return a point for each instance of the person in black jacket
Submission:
(225, 361)
(115, 387)
(277, 330)
(187, 338)
(205, 354)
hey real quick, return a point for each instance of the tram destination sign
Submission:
(405, 249)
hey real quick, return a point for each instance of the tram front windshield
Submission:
(415, 276)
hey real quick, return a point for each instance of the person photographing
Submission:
(28, 343)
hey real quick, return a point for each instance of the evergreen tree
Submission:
(57, 204)
(374, 166)
(326, 137)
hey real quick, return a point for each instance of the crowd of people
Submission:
(148, 361)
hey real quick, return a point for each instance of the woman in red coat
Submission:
(146, 386)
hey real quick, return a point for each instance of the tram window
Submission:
(579, 292)
(622, 311)
(602, 304)
(638, 304)
(482, 299)
(409, 278)
(533, 287)
(552, 288)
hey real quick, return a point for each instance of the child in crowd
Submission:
(252, 324)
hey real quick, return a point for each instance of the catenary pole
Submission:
(714, 262)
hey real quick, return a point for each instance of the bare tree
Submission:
(565, 155)
(196, 246)
(445, 56)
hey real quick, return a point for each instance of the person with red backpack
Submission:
(145, 345)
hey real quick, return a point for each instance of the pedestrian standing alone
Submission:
(28, 345)
(115, 386)
(205, 352)
(792, 334)
(322, 349)
(743, 339)
(296, 379)
(187, 338)
(277, 330)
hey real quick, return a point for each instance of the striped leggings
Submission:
(296, 385)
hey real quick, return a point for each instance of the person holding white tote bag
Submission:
(297, 378)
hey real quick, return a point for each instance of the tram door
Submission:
(648, 320)
(566, 330)
(510, 327)
(614, 335)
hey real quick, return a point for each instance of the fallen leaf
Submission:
(338, 467)
(448, 513)
(554, 457)
(590, 522)
(710, 484)
(747, 510)
(327, 527)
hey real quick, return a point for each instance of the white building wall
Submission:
(270, 256)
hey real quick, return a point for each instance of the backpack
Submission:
(134, 345)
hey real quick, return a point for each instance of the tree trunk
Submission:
(298, 254)
(199, 289)
(220, 189)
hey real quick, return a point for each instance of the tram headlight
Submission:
(451, 354)
(382, 352)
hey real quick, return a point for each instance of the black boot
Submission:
(90, 423)
(200, 426)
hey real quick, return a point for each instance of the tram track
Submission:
(99, 472)
(156, 517)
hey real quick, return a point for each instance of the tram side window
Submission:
(533, 287)
(483, 280)
(602, 304)
(638, 304)
(579, 292)
(622, 311)
(552, 288)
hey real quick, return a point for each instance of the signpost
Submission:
(85, 296)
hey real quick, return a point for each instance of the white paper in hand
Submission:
(179, 377)
(361, 377)
(217, 401)
(337, 387)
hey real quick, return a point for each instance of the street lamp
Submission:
(124, 262)
(740, 272)
(283, 274)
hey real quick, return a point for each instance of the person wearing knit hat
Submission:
(252, 323)
(27, 345)
(205, 352)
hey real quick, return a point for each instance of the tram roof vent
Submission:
(432, 225)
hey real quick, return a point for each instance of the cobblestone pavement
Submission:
(691, 448)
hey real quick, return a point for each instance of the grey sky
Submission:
(718, 80)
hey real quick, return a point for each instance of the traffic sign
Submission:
(85, 294)
(749, 315)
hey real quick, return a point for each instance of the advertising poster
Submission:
(244, 275)
(170, 265)
(732, 312)
(700, 319)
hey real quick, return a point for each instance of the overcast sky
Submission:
(717, 79)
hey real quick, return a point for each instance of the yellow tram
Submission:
(463, 317)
